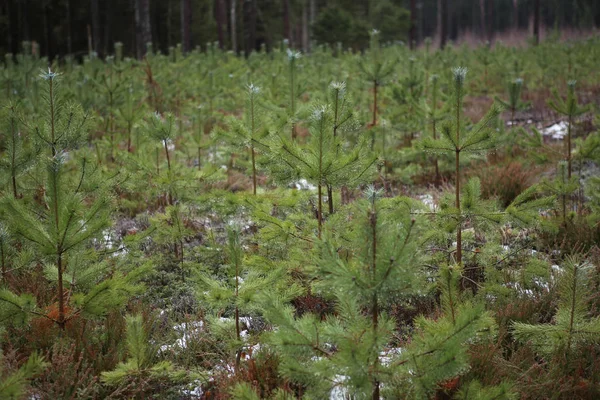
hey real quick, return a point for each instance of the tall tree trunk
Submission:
(221, 20)
(249, 26)
(287, 33)
(490, 15)
(515, 21)
(9, 38)
(305, 26)
(107, 23)
(443, 17)
(95, 16)
(142, 26)
(47, 30)
(412, 32)
(536, 21)
(482, 18)
(233, 17)
(186, 25)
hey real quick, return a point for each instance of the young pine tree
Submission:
(250, 132)
(75, 209)
(324, 160)
(236, 287)
(455, 137)
(514, 102)
(141, 375)
(571, 109)
(571, 328)
(375, 68)
(369, 260)
(438, 350)
(18, 153)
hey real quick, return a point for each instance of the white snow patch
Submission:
(427, 200)
(302, 184)
(386, 356)
(339, 391)
(557, 131)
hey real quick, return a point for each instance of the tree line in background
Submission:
(62, 27)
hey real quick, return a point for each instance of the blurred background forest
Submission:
(77, 27)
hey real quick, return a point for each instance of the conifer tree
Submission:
(19, 155)
(162, 128)
(456, 138)
(570, 108)
(562, 187)
(370, 260)
(140, 374)
(250, 132)
(76, 209)
(438, 351)
(514, 103)
(320, 161)
(434, 118)
(12, 386)
(571, 327)
(240, 289)
(293, 57)
(376, 69)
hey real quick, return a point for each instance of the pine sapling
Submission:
(571, 109)
(375, 69)
(456, 138)
(571, 328)
(19, 156)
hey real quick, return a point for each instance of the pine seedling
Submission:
(76, 210)
(434, 118)
(454, 137)
(293, 57)
(130, 113)
(412, 107)
(250, 132)
(238, 289)
(571, 109)
(563, 186)
(484, 54)
(571, 328)
(514, 103)
(319, 161)
(140, 374)
(18, 155)
(367, 262)
(162, 129)
(12, 386)
(111, 84)
(438, 351)
(376, 69)
(343, 121)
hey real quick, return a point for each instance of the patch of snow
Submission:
(302, 184)
(339, 392)
(557, 131)
(386, 356)
(196, 392)
(186, 331)
(427, 200)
